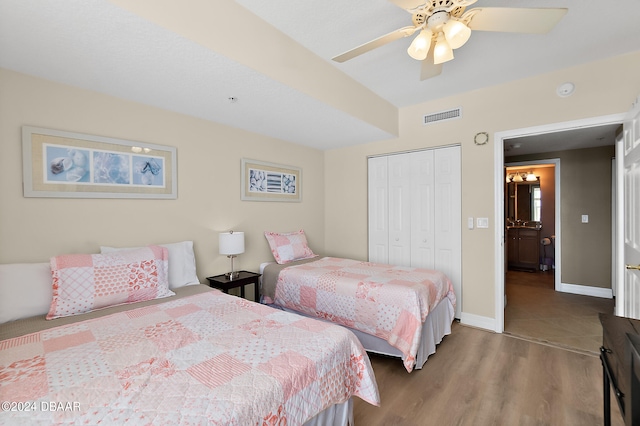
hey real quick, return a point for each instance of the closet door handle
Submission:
(632, 266)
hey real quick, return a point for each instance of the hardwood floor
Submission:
(536, 311)
(477, 378)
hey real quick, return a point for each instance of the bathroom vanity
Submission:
(523, 247)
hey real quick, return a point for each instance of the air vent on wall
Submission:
(451, 114)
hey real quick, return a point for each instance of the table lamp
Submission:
(231, 244)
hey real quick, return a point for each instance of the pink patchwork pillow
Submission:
(289, 246)
(86, 282)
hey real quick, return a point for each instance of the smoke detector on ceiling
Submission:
(565, 89)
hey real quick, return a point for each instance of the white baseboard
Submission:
(478, 321)
(586, 290)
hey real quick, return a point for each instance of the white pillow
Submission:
(182, 262)
(25, 290)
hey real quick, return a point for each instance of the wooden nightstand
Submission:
(244, 277)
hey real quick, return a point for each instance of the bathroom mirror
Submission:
(523, 201)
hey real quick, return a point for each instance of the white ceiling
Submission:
(95, 45)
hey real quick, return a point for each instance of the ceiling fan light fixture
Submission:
(420, 45)
(442, 52)
(456, 33)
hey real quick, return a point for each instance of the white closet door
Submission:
(422, 210)
(415, 212)
(447, 201)
(378, 208)
(399, 210)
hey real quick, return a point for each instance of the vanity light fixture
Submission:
(521, 177)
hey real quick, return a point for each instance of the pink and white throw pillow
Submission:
(87, 282)
(287, 247)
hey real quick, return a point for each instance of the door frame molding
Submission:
(498, 196)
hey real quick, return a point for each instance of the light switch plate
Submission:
(470, 223)
(585, 218)
(483, 222)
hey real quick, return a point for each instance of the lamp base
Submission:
(232, 275)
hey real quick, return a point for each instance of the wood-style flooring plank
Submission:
(478, 377)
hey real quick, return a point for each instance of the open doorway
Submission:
(534, 141)
(543, 302)
(532, 216)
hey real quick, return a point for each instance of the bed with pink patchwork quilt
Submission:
(205, 358)
(403, 307)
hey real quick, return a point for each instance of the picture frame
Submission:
(75, 165)
(263, 181)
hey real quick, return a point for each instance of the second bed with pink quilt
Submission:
(394, 310)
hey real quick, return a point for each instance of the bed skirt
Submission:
(335, 415)
(435, 327)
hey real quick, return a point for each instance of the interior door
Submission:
(447, 217)
(422, 210)
(629, 300)
(399, 209)
(378, 206)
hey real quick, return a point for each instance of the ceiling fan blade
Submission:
(514, 20)
(373, 44)
(408, 4)
(429, 69)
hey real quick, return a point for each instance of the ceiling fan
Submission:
(447, 25)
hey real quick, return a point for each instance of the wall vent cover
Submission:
(451, 114)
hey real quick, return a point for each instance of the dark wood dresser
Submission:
(621, 366)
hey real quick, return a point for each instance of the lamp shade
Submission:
(420, 45)
(531, 177)
(442, 52)
(456, 33)
(231, 243)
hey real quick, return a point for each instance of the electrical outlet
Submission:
(470, 223)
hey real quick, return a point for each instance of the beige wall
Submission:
(602, 88)
(34, 229)
(585, 188)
